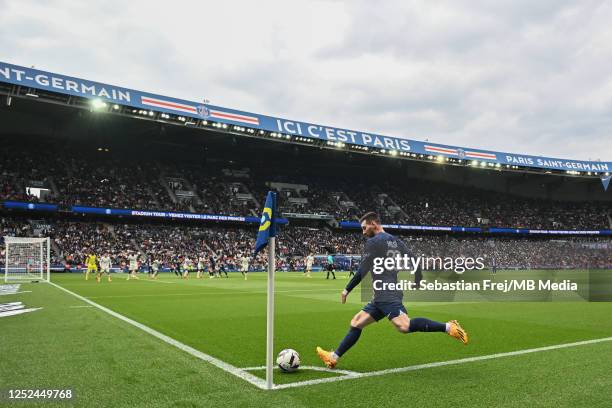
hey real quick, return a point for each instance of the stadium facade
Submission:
(128, 165)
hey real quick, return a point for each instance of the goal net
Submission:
(26, 259)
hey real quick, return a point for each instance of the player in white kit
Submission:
(132, 265)
(309, 262)
(201, 266)
(244, 266)
(105, 265)
(187, 265)
(155, 268)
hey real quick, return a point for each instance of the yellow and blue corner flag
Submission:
(267, 225)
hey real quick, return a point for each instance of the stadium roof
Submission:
(21, 82)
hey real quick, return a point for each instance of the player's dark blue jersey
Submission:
(382, 245)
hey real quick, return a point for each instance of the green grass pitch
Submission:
(109, 363)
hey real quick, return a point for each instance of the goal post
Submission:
(27, 259)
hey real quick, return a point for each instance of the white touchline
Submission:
(439, 364)
(256, 381)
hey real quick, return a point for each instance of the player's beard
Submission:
(369, 233)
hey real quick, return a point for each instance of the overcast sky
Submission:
(520, 76)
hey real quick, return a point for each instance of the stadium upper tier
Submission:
(21, 82)
(70, 173)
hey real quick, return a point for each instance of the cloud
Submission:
(517, 76)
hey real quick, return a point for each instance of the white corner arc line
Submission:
(440, 363)
(256, 381)
(313, 368)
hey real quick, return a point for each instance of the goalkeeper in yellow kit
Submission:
(92, 264)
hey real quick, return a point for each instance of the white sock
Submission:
(334, 355)
(447, 327)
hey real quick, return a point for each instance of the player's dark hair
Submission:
(370, 217)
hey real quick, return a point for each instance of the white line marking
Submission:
(313, 368)
(156, 281)
(77, 307)
(8, 308)
(5, 307)
(258, 382)
(6, 290)
(18, 312)
(440, 364)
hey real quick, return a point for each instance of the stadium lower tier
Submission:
(171, 244)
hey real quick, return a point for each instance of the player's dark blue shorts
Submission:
(378, 310)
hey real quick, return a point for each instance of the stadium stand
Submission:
(171, 243)
(314, 198)
(95, 178)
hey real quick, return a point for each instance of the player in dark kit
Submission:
(222, 266)
(385, 302)
(212, 268)
(175, 266)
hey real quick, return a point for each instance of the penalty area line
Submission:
(256, 381)
(439, 364)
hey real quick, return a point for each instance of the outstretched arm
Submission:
(364, 267)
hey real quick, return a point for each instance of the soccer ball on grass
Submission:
(288, 360)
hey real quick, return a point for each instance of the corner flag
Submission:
(267, 225)
(267, 233)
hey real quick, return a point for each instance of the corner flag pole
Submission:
(270, 315)
(267, 237)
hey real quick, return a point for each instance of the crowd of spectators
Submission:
(19, 171)
(168, 244)
(520, 253)
(424, 203)
(97, 177)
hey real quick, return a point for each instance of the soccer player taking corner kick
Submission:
(385, 302)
